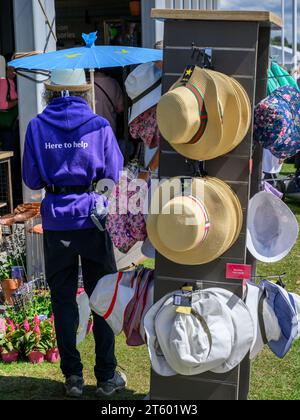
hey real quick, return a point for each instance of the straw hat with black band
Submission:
(71, 80)
(205, 115)
(196, 228)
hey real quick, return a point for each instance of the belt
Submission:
(72, 189)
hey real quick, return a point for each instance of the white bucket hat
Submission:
(68, 79)
(272, 228)
(143, 86)
(2, 67)
(157, 358)
(111, 297)
(274, 313)
(243, 328)
(198, 343)
(216, 337)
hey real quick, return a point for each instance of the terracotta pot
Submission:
(10, 357)
(36, 357)
(52, 356)
(89, 329)
(9, 287)
(135, 8)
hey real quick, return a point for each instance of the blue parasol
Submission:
(88, 57)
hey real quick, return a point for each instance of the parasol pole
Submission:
(92, 77)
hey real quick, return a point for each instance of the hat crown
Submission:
(2, 67)
(68, 77)
(142, 78)
(182, 224)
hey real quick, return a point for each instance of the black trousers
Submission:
(62, 251)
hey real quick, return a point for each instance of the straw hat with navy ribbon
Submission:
(205, 115)
(198, 226)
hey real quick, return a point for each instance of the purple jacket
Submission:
(67, 145)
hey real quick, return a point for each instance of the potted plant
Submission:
(10, 341)
(49, 338)
(9, 285)
(34, 345)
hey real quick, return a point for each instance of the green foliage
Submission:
(6, 263)
(11, 340)
(40, 304)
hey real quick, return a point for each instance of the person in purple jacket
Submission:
(67, 149)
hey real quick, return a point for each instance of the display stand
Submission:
(240, 48)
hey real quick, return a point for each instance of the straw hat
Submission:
(272, 228)
(72, 80)
(206, 114)
(196, 228)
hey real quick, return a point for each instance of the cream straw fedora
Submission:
(198, 227)
(205, 114)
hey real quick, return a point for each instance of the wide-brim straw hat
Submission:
(205, 115)
(197, 228)
(67, 79)
(272, 228)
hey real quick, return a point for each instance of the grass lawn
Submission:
(272, 379)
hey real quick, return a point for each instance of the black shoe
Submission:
(109, 388)
(74, 386)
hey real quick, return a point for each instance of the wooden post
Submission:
(240, 45)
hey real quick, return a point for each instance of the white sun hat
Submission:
(272, 228)
(2, 67)
(157, 358)
(197, 343)
(143, 86)
(244, 328)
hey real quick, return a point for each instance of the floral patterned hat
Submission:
(277, 122)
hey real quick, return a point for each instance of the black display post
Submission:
(240, 48)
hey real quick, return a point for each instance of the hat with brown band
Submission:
(197, 227)
(206, 114)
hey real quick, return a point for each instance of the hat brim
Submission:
(213, 133)
(244, 329)
(280, 302)
(73, 88)
(158, 360)
(145, 103)
(280, 244)
(183, 357)
(254, 294)
(218, 199)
